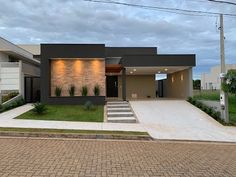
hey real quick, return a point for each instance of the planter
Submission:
(76, 100)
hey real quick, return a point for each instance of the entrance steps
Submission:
(120, 112)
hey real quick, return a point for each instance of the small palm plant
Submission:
(71, 90)
(88, 106)
(39, 108)
(84, 91)
(96, 90)
(58, 91)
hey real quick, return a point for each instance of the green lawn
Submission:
(67, 113)
(215, 95)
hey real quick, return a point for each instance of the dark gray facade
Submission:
(122, 51)
(158, 60)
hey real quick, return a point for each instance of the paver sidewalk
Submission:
(7, 120)
(27, 157)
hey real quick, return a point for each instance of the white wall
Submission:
(3, 57)
(179, 84)
(9, 74)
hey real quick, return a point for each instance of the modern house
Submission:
(120, 72)
(210, 81)
(17, 68)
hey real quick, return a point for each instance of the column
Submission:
(124, 84)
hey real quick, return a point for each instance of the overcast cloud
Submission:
(76, 21)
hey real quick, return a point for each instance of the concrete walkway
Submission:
(7, 120)
(179, 120)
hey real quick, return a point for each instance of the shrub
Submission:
(84, 91)
(88, 105)
(58, 91)
(210, 111)
(12, 105)
(72, 90)
(96, 90)
(20, 102)
(39, 108)
(1, 108)
(9, 96)
(199, 105)
(190, 99)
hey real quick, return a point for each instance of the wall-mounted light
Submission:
(182, 77)
(131, 72)
(134, 70)
(172, 79)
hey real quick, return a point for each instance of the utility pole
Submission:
(223, 95)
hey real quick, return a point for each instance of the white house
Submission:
(16, 64)
(211, 80)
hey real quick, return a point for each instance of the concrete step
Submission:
(126, 109)
(122, 120)
(116, 102)
(118, 106)
(120, 114)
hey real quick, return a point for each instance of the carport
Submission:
(137, 80)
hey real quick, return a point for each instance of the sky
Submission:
(78, 21)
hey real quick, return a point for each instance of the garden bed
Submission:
(214, 95)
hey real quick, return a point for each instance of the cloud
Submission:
(76, 21)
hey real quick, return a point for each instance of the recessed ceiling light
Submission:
(135, 69)
(131, 72)
(166, 69)
(159, 72)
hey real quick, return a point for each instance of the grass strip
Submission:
(64, 131)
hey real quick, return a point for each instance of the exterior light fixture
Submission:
(182, 77)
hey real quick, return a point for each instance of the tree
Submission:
(197, 84)
(230, 82)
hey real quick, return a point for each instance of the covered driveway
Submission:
(179, 120)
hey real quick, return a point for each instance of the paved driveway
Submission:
(177, 119)
(26, 157)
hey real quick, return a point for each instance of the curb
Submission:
(77, 136)
(193, 141)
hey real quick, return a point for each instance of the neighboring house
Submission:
(211, 81)
(121, 72)
(32, 48)
(17, 67)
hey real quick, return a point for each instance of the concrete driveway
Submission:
(179, 120)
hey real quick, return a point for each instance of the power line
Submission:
(223, 2)
(166, 9)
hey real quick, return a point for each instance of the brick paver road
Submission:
(51, 157)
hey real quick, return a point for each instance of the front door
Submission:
(112, 86)
(32, 89)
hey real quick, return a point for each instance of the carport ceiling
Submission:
(154, 70)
